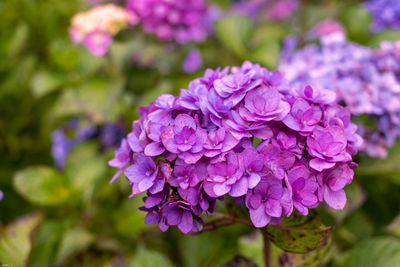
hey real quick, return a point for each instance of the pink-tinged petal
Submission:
(263, 133)
(273, 208)
(229, 142)
(183, 120)
(209, 188)
(186, 223)
(221, 189)
(239, 188)
(190, 158)
(154, 149)
(301, 209)
(145, 184)
(320, 165)
(291, 122)
(97, 43)
(335, 199)
(167, 138)
(258, 217)
(253, 180)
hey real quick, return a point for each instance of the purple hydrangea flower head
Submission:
(268, 202)
(364, 80)
(281, 9)
(1, 195)
(385, 14)
(326, 27)
(244, 133)
(179, 20)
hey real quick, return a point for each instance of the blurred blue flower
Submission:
(385, 14)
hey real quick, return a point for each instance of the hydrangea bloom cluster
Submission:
(96, 27)
(365, 80)
(385, 14)
(240, 132)
(193, 61)
(179, 20)
(65, 138)
(274, 10)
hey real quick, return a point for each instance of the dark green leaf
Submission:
(299, 234)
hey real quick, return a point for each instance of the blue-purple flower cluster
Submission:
(365, 80)
(179, 20)
(72, 133)
(241, 132)
(385, 14)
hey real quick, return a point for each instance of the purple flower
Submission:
(268, 202)
(385, 13)
(182, 21)
(62, 145)
(276, 160)
(303, 185)
(1, 195)
(184, 138)
(181, 214)
(226, 176)
(185, 175)
(219, 141)
(142, 174)
(193, 61)
(282, 9)
(302, 116)
(264, 104)
(253, 165)
(198, 198)
(328, 146)
(332, 182)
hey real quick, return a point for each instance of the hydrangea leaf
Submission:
(149, 258)
(86, 170)
(42, 185)
(394, 226)
(267, 54)
(15, 240)
(46, 243)
(73, 241)
(44, 82)
(234, 32)
(299, 234)
(380, 251)
(311, 259)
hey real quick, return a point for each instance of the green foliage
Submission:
(149, 258)
(15, 243)
(383, 251)
(299, 234)
(42, 185)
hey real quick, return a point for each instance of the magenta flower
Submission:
(189, 152)
(184, 138)
(303, 185)
(328, 146)
(226, 176)
(268, 202)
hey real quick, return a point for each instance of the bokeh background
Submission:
(63, 111)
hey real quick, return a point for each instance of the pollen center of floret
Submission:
(186, 141)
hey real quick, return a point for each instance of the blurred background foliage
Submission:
(73, 217)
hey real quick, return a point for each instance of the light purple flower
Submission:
(303, 117)
(98, 43)
(226, 177)
(268, 202)
(328, 146)
(185, 175)
(276, 161)
(303, 185)
(185, 138)
(182, 215)
(193, 61)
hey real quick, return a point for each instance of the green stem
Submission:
(266, 248)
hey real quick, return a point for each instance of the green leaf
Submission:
(128, 219)
(15, 242)
(86, 169)
(380, 251)
(42, 185)
(394, 226)
(358, 20)
(44, 82)
(388, 35)
(299, 234)
(234, 32)
(74, 241)
(149, 258)
(314, 258)
(267, 54)
(46, 243)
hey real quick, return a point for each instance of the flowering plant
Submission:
(240, 132)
